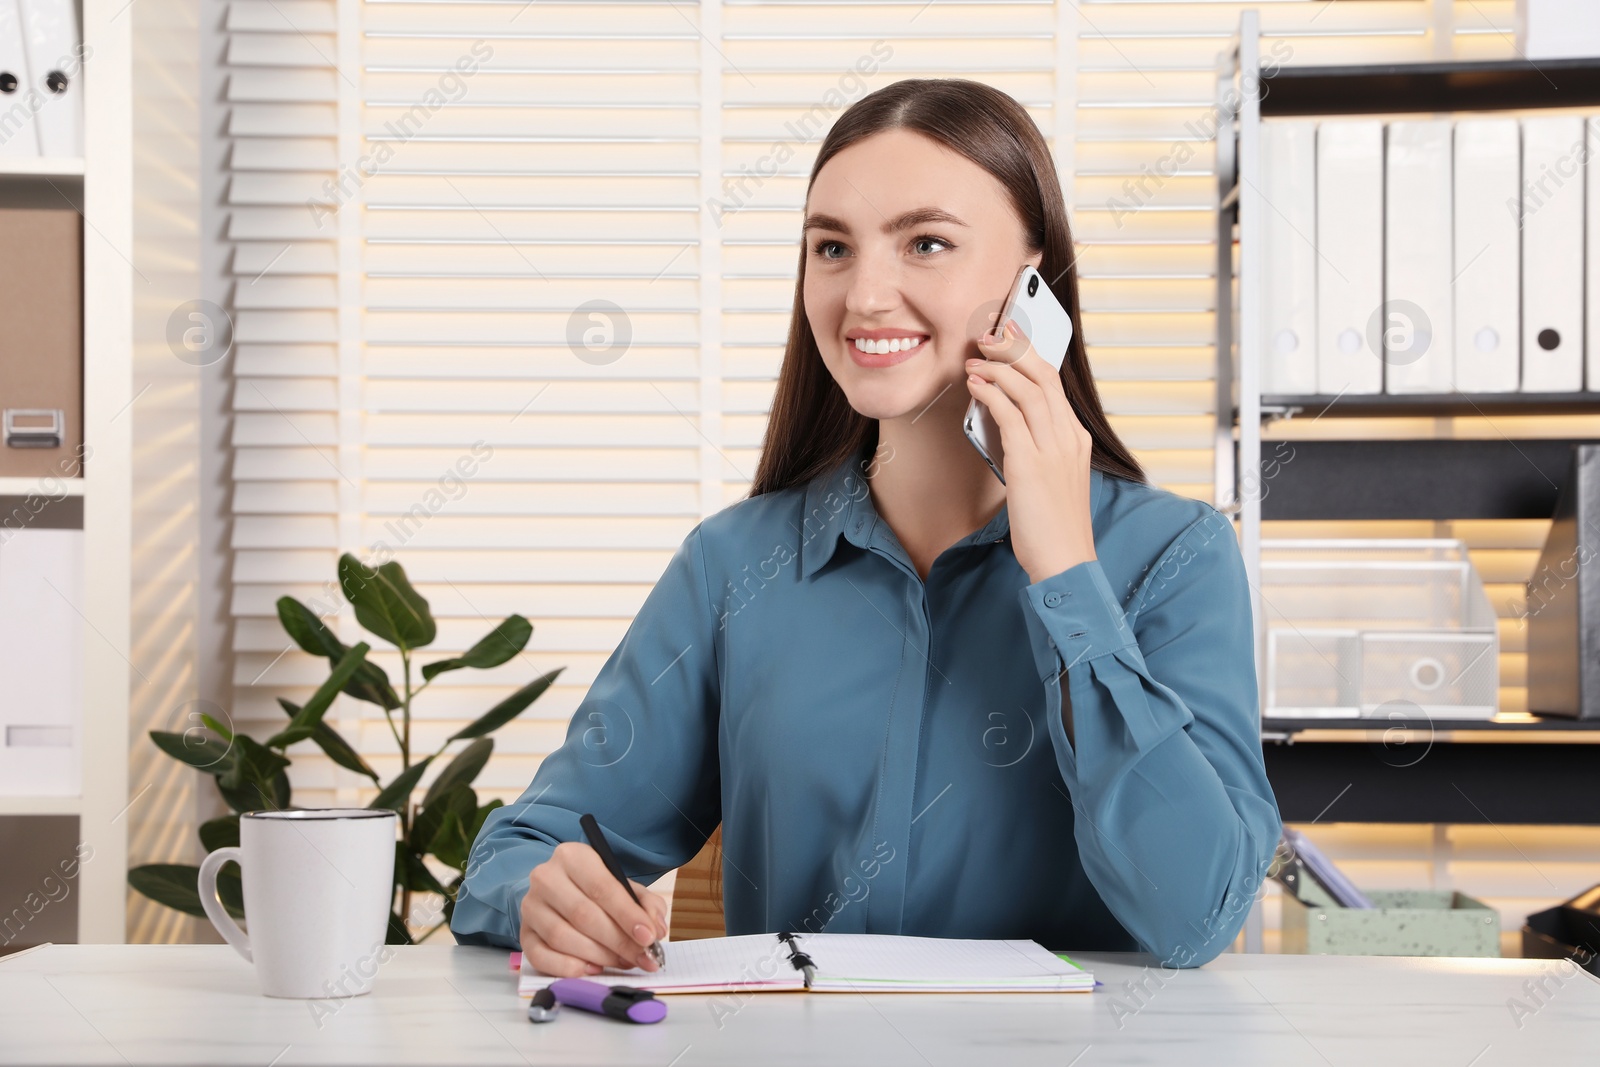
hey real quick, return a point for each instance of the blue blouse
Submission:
(887, 755)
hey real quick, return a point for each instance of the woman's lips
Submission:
(883, 359)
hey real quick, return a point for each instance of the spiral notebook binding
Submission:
(799, 960)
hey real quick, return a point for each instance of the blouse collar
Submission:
(839, 503)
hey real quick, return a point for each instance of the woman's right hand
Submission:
(577, 918)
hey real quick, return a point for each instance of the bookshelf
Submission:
(101, 185)
(1336, 476)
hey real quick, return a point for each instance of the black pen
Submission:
(597, 841)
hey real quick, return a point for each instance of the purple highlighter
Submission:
(618, 1001)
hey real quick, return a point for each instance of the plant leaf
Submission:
(338, 749)
(303, 725)
(394, 795)
(239, 798)
(386, 604)
(418, 878)
(220, 833)
(397, 933)
(431, 816)
(507, 709)
(177, 886)
(219, 729)
(333, 743)
(196, 749)
(503, 642)
(449, 843)
(461, 770)
(257, 759)
(257, 778)
(369, 683)
(479, 819)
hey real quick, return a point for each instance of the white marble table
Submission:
(142, 1004)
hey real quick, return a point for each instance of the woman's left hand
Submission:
(1046, 454)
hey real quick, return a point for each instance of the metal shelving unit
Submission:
(1422, 478)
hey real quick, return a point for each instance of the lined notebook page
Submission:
(886, 960)
(703, 965)
(883, 962)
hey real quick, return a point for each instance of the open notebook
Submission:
(846, 963)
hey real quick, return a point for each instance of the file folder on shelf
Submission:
(1289, 235)
(1552, 253)
(1592, 257)
(50, 35)
(1350, 263)
(17, 136)
(1417, 324)
(41, 342)
(1488, 255)
(41, 659)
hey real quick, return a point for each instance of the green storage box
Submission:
(1405, 922)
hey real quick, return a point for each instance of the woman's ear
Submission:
(1036, 259)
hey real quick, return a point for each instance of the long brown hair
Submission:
(812, 427)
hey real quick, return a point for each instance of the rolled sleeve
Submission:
(646, 730)
(1175, 819)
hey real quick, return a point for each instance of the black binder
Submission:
(1563, 600)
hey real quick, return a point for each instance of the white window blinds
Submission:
(435, 205)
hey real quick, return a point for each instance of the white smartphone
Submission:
(1048, 327)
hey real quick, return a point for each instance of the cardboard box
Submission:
(41, 339)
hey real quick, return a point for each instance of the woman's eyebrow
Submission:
(920, 216)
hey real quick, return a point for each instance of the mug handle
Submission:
(214, 910)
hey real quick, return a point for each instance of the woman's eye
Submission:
(821, 247)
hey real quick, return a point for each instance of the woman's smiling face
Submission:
(931, 282)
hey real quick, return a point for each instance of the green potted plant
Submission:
(252, 775)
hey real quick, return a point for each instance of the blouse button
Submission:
(860, 522)
(1052, 599)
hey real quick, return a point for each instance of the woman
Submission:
(918, 701)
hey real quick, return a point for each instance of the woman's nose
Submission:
(873, 286)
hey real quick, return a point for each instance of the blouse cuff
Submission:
(1073, 617)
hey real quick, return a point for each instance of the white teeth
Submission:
(897, 344)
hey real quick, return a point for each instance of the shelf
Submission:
(1429, 780)
(1393, 88)
(1499, 725)
(1511, 769)
(1422, 478)
(24, 486)
(41, 167)
(28, 805)
(1366, 405)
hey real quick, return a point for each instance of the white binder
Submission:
(1289, 235)
(41, 660)
(1488, 255)
(1552, 253)
(1350, 259)
(17, 136)
(50, 34)
(1418, 328)
(1556, 29)
(1592, 260)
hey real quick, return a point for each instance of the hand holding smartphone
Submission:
(1048, 328)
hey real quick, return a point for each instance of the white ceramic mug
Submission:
(317, 887)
